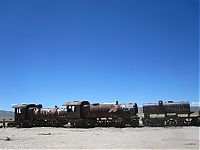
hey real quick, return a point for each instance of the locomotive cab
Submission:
(76, 110)
(24, 114)
(77, 113)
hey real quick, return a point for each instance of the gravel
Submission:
(100, 138)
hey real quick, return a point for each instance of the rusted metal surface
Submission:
(84, 114)
(24, 105)
(162, 108)
(76, 103)
(173, 114)
(76, 110)
(104, 110)
(114, 115)
(131, 108)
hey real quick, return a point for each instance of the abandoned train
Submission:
(170, 114)
(84, 114)
(77, 114)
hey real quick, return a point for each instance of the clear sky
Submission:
(53, 51)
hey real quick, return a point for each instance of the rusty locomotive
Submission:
(76, 114)
(84, 114)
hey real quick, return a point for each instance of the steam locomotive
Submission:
(76, 114)
(83, 114)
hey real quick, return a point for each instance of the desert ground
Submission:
(100, 138)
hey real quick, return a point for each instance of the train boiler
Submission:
(116, 115)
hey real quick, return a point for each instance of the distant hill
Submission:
(6, 115)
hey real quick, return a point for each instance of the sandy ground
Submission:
(103, 138)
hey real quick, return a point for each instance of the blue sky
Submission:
(99, 50)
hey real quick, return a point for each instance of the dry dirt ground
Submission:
(100, 138)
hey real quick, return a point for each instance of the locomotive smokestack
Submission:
(117, 103)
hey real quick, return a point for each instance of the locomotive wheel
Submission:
(92, 123)
(187, 123)
(145, 122)
(171, 123)
(195, 122)
(120, 125)
(134, 123)
(40, 124)
(80, 124)
(26, 124)
(182, 122)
